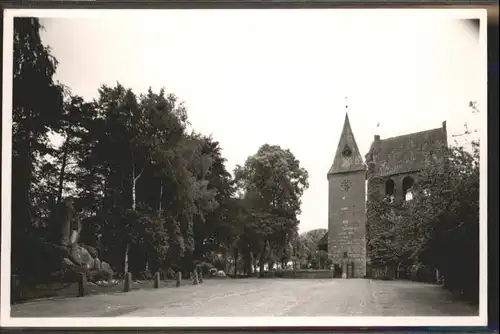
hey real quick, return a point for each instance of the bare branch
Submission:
(138, 176)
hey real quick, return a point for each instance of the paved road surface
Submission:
(262, 297)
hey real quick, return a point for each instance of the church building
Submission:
(389, 171)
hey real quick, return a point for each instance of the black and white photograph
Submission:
(300, 167)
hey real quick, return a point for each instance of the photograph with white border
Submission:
(198, 168)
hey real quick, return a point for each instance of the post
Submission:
(200, 276)
(82, 284)
(351, 274)
(195, 277)
(344, 268)
(127, 282)
(178, 278)
(438, 277)
(157, 280)
(15, 288)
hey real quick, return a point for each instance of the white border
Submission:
(7, 321)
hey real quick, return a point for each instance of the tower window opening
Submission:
(407, 188)
(347, 151)
(389, 190)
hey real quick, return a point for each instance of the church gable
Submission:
(347, 157)
(407, 153)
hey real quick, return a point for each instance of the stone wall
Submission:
(347, 220)
(308, 274)
(378, 272)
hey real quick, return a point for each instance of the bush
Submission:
(145, 275)
(72, 274)
(422, 273)
(167, 273)
(204, 267)
(100, 275)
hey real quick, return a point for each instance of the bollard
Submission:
(15, 288)
(200, 276)
(195, 277)
(127, 282)
(344, 270)
(178, 278)
(82, 285)
(157, 280)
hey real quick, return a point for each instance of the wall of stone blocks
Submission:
(347, 220)
(313, 274)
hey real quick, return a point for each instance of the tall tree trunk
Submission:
(63, 170)
(22, 170)
(161, 195)
(236, 255)
(66, 216)
(134, 182)
(125, 266)
(262, 259)
(261, 266)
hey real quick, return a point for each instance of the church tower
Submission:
(346, 205)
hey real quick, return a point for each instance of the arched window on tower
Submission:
(407, 188)
(389, 190)
(346, 152)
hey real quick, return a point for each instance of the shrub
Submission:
(72, 274)
(145, 275)
(167, 273)
(204, 267)
(100, 275)
(422, 273)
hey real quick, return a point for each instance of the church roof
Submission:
(347, 157)
(409, 152)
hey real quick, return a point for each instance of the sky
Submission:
(284, 77)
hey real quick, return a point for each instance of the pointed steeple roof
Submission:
(347, 158)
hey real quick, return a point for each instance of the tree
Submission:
(132, 184)
(272, 182)
(449, 228)
(33, 118)
(307, 244)
(439, 227)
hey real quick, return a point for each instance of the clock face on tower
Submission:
(345, 185)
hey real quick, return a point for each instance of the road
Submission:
(261, 297)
